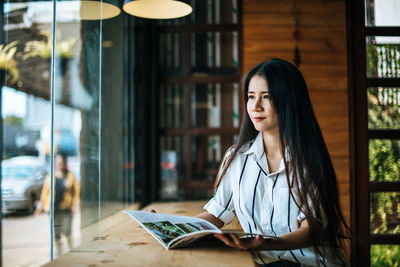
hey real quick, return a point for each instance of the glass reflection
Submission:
(90, 182)
(66, 202)
(26, 119)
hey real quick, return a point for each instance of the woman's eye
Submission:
(251, 96)
(267, 97)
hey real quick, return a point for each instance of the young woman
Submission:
(279, 179)
(66, 200)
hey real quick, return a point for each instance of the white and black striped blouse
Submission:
(262, 203)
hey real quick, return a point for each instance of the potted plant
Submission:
(42, 48)
(7, 62)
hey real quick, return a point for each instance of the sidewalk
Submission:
(26, 239)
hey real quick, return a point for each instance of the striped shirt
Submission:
(262, 202)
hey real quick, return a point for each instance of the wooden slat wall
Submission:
(267, 33)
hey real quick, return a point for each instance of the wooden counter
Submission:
(125, 243)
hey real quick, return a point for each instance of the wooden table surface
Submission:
(125, 243)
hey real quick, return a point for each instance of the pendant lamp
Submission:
(95, 10)
(157, 9)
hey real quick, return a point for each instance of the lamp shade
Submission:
(95, 10)
(157, 9)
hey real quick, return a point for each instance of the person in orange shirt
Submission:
(66, 200)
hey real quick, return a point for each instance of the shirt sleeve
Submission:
(221, 204)
(302, 215)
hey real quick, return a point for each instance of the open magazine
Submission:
(173, 231)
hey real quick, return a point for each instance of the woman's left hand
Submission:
(299, 238)
(256, 243)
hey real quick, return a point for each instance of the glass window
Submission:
(383, 56)
(382, 13)
(384, 160)
(383, 108)
(26, 118)
(87, 129)
(385, 213)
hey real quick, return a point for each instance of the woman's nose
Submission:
(257, 104)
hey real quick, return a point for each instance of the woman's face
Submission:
(259, 105)
(59, 163)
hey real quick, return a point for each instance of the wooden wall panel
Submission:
(267, 33)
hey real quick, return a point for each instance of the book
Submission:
(173, 231)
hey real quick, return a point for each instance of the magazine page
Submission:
(168, 229)
(173, 231)
(190, 238)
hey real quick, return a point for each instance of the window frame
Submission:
(360, 135)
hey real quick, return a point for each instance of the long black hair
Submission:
(314, 179)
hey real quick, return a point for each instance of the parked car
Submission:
(22, 183)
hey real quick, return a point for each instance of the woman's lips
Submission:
(258, 119)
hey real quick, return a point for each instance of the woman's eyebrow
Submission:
(262, 92)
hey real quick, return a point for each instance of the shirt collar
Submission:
(257, 147)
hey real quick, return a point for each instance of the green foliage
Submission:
(13, 120)
(385, 211)
(384, 160)
(42, 48)
(385, 255)
(372, 60)
(384, 154)
(7, 60)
